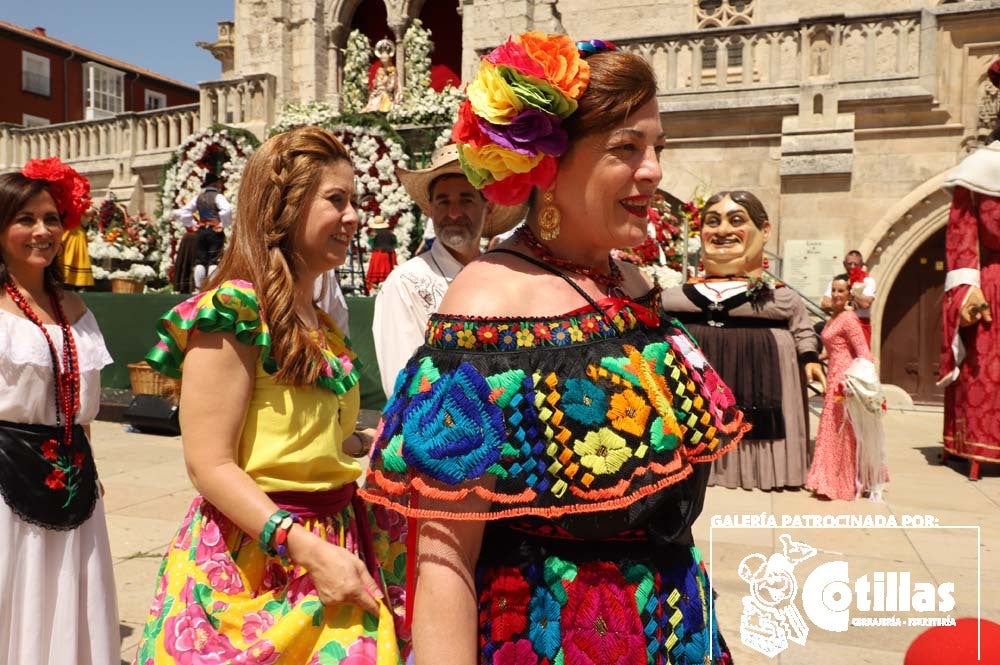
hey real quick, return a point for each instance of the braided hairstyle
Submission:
(278, 184)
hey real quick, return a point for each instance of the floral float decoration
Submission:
(126, 244)
(218, 149)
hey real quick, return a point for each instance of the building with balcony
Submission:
(49, 81)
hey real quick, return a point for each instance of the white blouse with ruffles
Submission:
(27, 384)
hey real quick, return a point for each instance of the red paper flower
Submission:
(515, 189)
(857, 275)
(70, 190)
(56, 480)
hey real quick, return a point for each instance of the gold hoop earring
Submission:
(549, 217)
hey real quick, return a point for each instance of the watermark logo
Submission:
(770, 618)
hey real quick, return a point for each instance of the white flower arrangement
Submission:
(357, 61)
(137, 272)
(99, 273)
(665, 276)
(185, 177)
(417, 47)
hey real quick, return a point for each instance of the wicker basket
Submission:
(127, 286)
(147, 381)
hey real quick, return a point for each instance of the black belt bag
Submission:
(44, 481)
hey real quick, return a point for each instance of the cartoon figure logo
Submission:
(770, 618)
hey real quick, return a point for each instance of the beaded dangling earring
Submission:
(766, 263)
(549, 217)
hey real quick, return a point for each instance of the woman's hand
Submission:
(340, 577)
(359, 443)
(815, 374)
(975, 308)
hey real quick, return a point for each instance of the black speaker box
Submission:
(153, 414)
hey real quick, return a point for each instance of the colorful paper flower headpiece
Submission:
(510, 129)
(69, 189)
(590, 47)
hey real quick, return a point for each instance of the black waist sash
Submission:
(44, 481)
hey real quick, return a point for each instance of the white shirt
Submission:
(404, 304)
(27, 386)
(429, 229)
(868, 292)
(330, 298)
(186, 214)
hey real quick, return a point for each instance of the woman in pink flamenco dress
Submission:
(834, 468)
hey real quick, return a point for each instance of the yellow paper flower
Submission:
(498, 161)
(491, 96)
(602, 451)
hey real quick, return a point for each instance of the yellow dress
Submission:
(76, 258)
(219, 597)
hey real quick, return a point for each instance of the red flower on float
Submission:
(600, 622)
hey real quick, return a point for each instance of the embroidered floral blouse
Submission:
(549, 417)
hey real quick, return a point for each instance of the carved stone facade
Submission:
(843, 124)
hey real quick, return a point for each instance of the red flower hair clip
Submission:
(70, 190)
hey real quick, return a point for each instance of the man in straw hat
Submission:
(414, 290)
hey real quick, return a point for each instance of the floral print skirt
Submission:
(572, 612)
(220, 599)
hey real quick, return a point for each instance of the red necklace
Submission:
(611, 280)
(67, 374)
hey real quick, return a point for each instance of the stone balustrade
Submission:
(123, 137)
(861, 51)
(246, 102)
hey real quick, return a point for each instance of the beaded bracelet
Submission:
(267, 531)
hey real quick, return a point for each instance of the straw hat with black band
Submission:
(444, 161)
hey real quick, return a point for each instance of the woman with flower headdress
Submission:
(756, 332)
(57, 590)
(275, 560)
(550, 442)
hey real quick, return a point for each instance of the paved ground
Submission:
(148, 492)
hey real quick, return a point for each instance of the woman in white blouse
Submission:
(57, 592)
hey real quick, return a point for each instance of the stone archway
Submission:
(897, 236)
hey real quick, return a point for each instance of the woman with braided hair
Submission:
(551, 441)
(275, 559)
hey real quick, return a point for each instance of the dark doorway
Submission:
(911, 323)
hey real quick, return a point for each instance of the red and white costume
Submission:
(970, 358)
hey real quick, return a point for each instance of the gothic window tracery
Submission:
(723, 13)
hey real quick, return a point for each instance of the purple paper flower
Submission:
(530, 132)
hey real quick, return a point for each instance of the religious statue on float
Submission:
(756, 333)
(384, 88)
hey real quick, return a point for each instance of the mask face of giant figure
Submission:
(731, 244)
